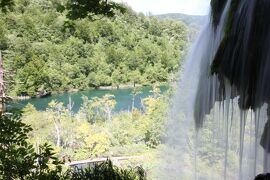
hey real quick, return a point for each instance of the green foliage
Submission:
(98, 109)
(5, 5)
(106, 171)
(88, 8)
(155, 122)
(48, 165)
(96, 130)
(14, 149)
(18, 159)
(44, 51)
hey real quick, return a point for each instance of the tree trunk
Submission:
(109, 113)
(133, 102)
(58, 134)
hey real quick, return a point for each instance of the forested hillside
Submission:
(45, 51)
(190, 20)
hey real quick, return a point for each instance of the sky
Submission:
(192, 7)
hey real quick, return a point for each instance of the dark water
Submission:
(123, 98)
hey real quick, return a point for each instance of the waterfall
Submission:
(223, 91)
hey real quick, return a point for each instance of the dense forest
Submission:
(190, 20)
(45, 51)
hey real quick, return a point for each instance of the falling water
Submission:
(223, 91)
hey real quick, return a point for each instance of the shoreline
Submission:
(124, 86)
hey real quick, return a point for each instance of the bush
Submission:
(18, 159)
(107, 171)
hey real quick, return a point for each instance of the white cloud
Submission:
(198, 7)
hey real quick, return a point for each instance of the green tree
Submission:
(98, 108)
(119, 77)
(135, 77)
(33, 77)
(89, 8)
(6, 5)
(135, 92)
(44, 51)
(18, 159)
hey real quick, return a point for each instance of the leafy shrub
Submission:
(107, 171)
(18, 159)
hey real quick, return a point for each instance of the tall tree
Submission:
(2, 86)
(78, 9)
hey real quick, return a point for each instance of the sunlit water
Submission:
(123, 98)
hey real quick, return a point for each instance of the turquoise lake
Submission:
(123, 98)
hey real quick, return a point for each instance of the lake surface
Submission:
(123, 98)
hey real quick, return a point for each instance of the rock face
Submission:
(243, 56)
(235, 66)
(217, 9)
